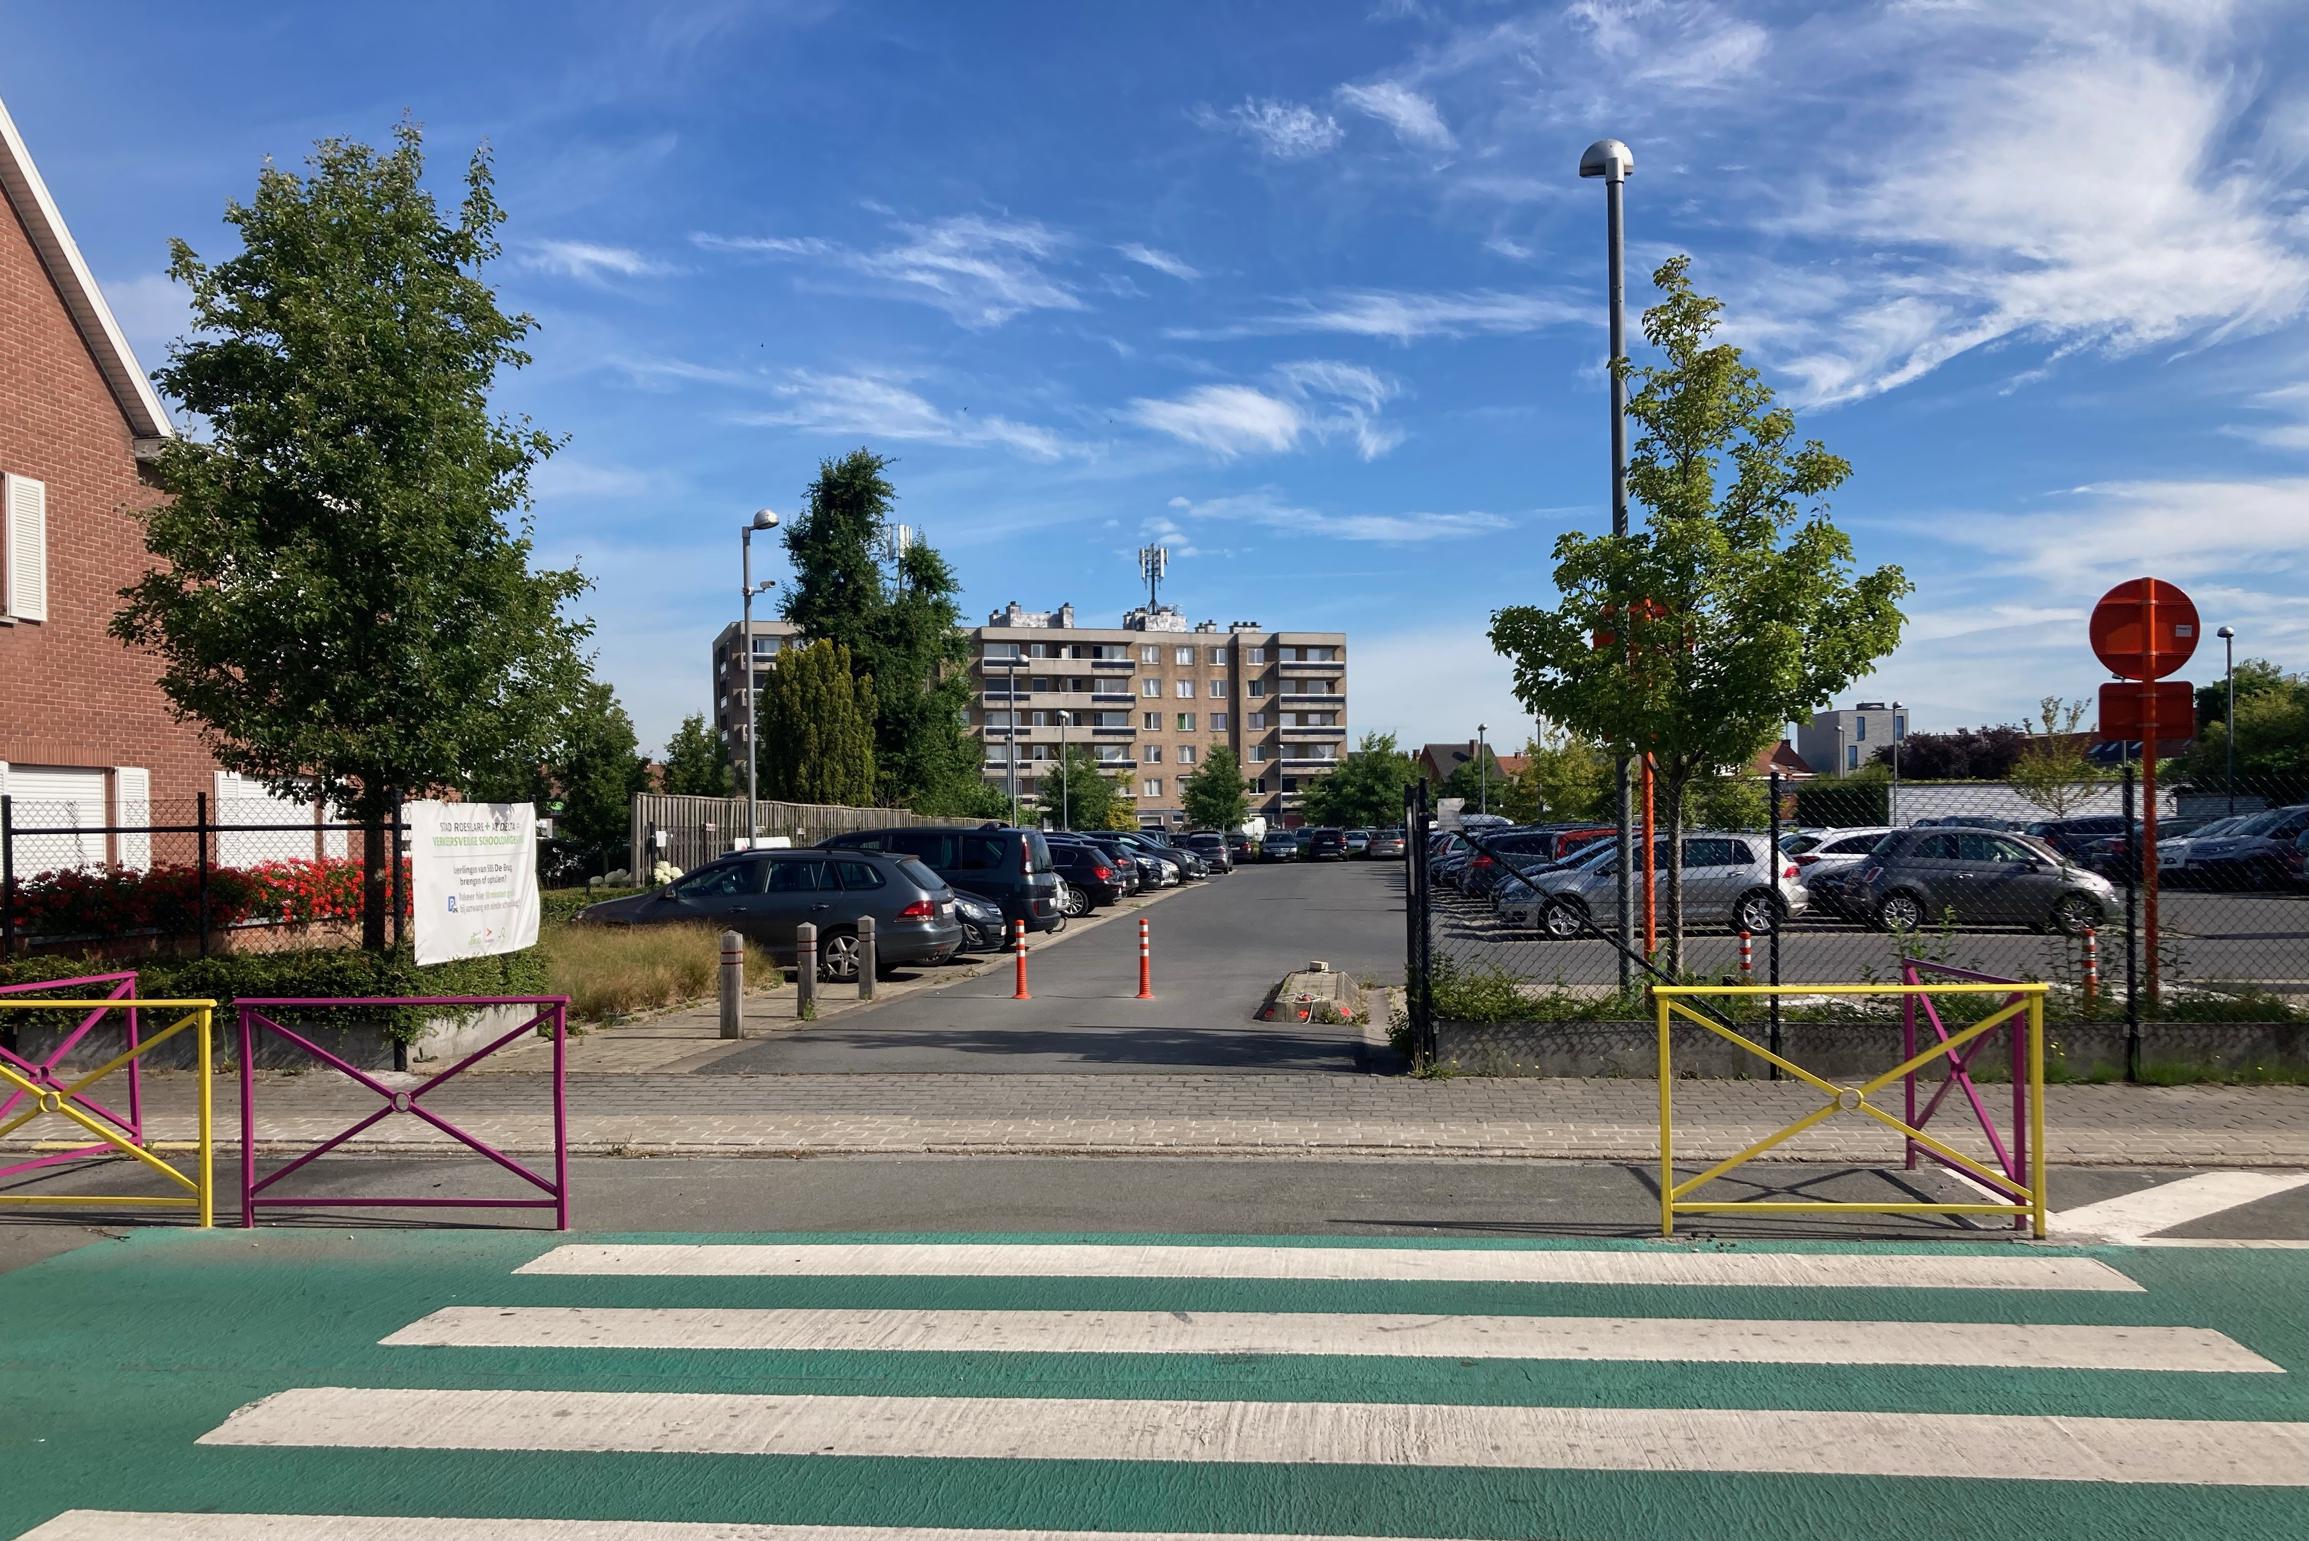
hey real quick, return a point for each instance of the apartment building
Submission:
(1154, 696)
(1839, 741)
(732, 656)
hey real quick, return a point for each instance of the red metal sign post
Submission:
(2144, 630)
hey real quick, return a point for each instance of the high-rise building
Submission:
(730, 670)
(1152, 697)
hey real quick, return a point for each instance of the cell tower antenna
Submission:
(1154, 564)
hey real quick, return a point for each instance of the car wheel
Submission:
(1901, 912)
(1076, 903)
(2076, 914)
(839, 954)
(1757, 913)
(1563, 919)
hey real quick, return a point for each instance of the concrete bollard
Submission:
(805, 970)
(865, 957)
(733, 985)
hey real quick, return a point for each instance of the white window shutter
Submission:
(3, 778)
(132, 804)
(24, 535)
(333, 841)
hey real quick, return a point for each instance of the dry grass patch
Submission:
(609, 972)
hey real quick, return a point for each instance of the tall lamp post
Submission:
(1482, 780)
(1892, 806)
(764, 519)
(1613, 161)
(2228, 636)
(1065, 776)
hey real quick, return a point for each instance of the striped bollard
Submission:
(2092, 965)
(1018, 947)
(1747, 959)
(1145, 964)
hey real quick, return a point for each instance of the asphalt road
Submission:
(1219, 948)
(2231, 939)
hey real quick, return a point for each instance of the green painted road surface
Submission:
(515, 1387)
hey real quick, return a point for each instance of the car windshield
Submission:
(2258, 823)
(930, 881)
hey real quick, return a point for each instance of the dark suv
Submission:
(1011, 867)
(1326, 845)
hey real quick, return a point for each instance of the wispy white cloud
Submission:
(2287, 426)
(565, 477)
(1677, 44)
(885, 406)
(1316, 400)
(590, 261)
(664, 373)
(1284, 131)
(2174, 527)
(1266, 509)
(1411, 115)
(1160, 261)
(1512, 250)
(979, 270)
(1405, 316)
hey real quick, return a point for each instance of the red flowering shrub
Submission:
(111, 901)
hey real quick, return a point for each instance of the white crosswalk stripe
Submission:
(112, 1525)
(1618, 1338)
(1661, 1266)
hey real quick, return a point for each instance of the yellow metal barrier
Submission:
(2028, 1199)
(48, 1092)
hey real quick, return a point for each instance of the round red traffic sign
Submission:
(2144, 629)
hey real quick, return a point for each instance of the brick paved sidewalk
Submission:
(1219, 1114)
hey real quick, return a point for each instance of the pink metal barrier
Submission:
(258, 1014)
(47, 1072)
(2012, 1159)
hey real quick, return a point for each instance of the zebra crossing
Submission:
(1086, 1390)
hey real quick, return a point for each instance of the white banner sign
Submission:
(473, 878)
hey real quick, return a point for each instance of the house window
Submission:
(1218, 658)
(1860, 729)
(1154, 754)
(1185, 655)
(1258, 754)
(1152, 722)
(1039, 650)
(1151, 787)
(1258, 655)
(1186, 722)
(1037, 682)
(1851, 756)
(1258, 722)
(1218, 722)
(1150, 688)
(1260, 786)
(1218, 690)
(1258, 688)
(1150, 654)
(1899, 725)
(1186, 690)
(1186, 755)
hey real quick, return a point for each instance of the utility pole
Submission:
(764, 519)
(1613, 161)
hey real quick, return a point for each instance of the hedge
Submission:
(309, 972)
(559, 906)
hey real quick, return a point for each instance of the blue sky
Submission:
(1312, 292)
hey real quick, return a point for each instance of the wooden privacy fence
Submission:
(697, 829)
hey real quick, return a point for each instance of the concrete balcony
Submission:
(1335, 730)
(1296, 762)
(1311, 665)
(1314, 698)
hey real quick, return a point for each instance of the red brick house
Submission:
(85, 734)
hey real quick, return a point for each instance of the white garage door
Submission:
(286, 831)
(51, 797)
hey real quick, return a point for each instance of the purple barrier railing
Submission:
(256, 1014)
(47, 1071)
(2012, 1160)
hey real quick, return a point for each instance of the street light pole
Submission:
(1482, 781)
(2228, 636)
(1892, 807)
(1065, 776)
(1613, 161)
(764, 519)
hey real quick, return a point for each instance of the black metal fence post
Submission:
(1779, 924)
(200, 863)
(2132, 870)
(7, 876)
(394, 880)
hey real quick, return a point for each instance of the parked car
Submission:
(1156, 843)
(1326, 845)
(1970, 821)
(1523, 849)
(1242, 845)
(1212, 848)
(1358, 842)
(2262, 853)
(1279, 845)
(1090, 877)
(1832, 853)
(2110, 855)
(983, 929)
(1388, 843)
(1142, 867)
(1731, 879)
(1916, 877)
(2070, 837)
(765, 896)
(1010, 866)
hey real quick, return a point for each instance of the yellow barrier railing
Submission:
(2027, 1197)
(48, 1091)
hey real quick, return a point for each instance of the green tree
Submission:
(1214, 795)
(1478, 780)
(340, 601)
(2272, 730)
(1365, 789)
(1564, 778)
(905, 633)
(1077, 793)
(696, 764)
(1735, 610)
(1729, 802)
(816, 716)
(2053, 769)
(595, 768)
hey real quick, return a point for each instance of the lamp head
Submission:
(1609, 159)
(2226, 632)
(765, 519)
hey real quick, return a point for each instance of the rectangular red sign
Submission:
(2124, 714)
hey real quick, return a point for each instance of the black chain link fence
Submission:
(2201, 944)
